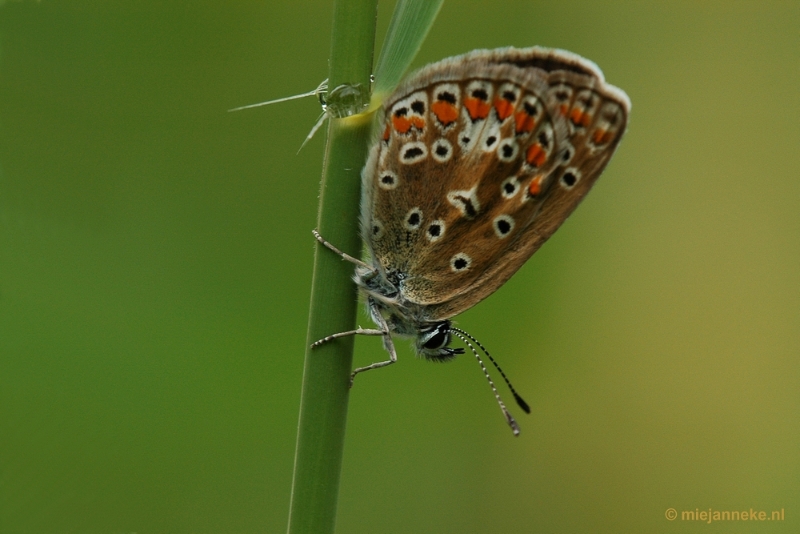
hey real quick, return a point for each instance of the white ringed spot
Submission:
(508, 150)
(413, 219)
(503, 224)
(442, 150)
(570, 177)
(509, 187)
(413, 152)
(435, 231)
(387, 180)
(460, 262)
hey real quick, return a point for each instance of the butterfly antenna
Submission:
(511, 422)
(520, 400)
(321, 89)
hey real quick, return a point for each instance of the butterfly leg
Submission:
(388, 344)
(357, 331)
(375, 313)
(344, 255)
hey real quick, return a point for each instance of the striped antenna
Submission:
(511, 422)
(520, 400)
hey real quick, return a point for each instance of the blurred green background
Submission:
(155, 262)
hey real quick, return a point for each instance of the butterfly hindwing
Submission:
(596, 113)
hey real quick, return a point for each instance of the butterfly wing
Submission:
(481, 158)
(597, 115)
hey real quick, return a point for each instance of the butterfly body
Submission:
(477, 160)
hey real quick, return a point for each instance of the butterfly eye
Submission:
(438, 339)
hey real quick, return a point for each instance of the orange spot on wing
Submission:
(524, 122)
(477, 108)
(536, 155)
(386, 132)
(536, 185)
(446, 112)
(404, 124)
(602, 136)
(401, 124)
(580, 118)
(504, 108)
(564, 109)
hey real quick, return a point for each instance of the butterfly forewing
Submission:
(481, 159)
(452, 179)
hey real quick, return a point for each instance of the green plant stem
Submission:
(323, 404)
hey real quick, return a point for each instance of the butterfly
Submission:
(477, 161)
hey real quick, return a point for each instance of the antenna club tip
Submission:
(513, 424)
(522, 403)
